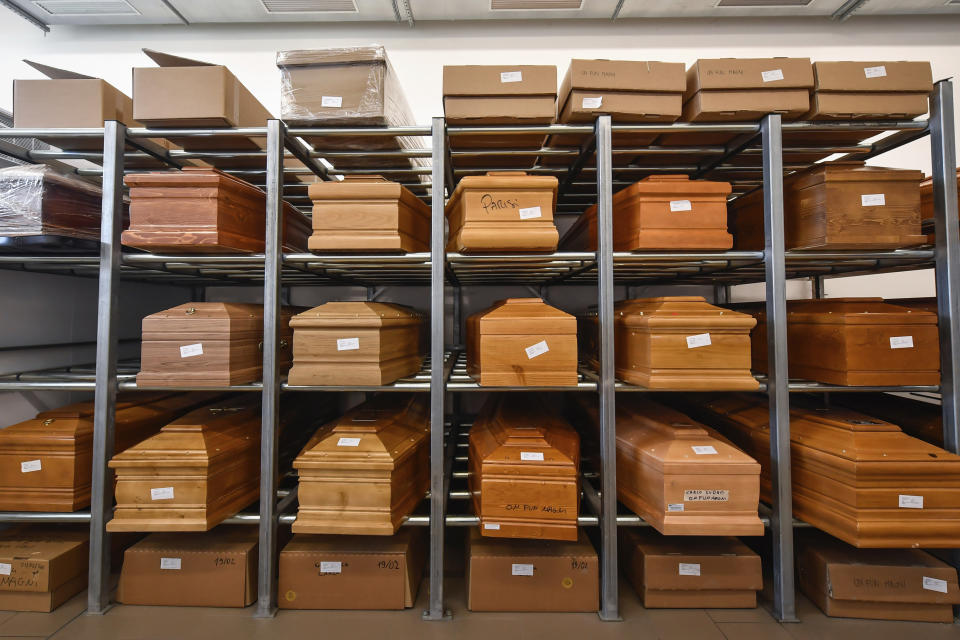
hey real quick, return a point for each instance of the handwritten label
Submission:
(529, 213)
(5, 568)
(170, 564)
(511, 76)
(537, 349)
(674, 507)
(681, 205)
(331, 101)
(29, 465)
(704, 450)
(161, 493)
(873, 200)
(699, 340)
(901, 342)
(491, 526)
(688, 569)
(348, 442)
(772, 75)
(521, 569)
(911, 502)
(592, 103)
(331, 567)
(875, 72)
(190, 350)
(933, 584)
(706, 495)
(348, 344)
(532, 456)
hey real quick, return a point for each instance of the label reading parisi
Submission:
(706, 495)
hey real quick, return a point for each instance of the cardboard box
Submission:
(216, 568)
(42, 567)
(531, 575)
(190, 93)
(690, 572)
(738, 89)
(68, 99)
(629, 91)
(500, 94)
(870, 90)
(352, 572)
(736, 106)
(42, 601)
(879, 584)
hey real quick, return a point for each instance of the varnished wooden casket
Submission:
(366, 471)
(681, 476)
(678, 342)
(208, 344)
(522, 341)
(367, 213)
(46, 462)
(503, 211)
(524, 467)
(838, 206)
(856, 342)
(919, 419)
(204, 210)
(927, 205)
(660, 213)
(858, 478)
(355, 343)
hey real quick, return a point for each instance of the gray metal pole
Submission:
(781, 516)
(438, 242)
(105, 394)
(947, 255)
(609, 594)
(267, 570)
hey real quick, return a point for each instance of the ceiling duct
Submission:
(763, 3)
(535, 5)
(86, 8)
(309, 6)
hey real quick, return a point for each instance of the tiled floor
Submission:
(166, 623)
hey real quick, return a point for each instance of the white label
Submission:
(511, 76)
(170, 563)
(911, 502)
(933, 584)
(688, 569)
(532, 456)
(537, 349)
(161, 493)
(592, 103)
(348, 442)
(704, 450)
(521, 570)
(901, 342)
(331, 567)
(872, 200)
(875, 72)
(331, 101)
(706, 495)
(674, 507)
(190, 350)
(770, 76)
(530, 212)
(699, 340)
(29, 465)
(348, 344)
(491, 526)
(681, 205)
(5, 569)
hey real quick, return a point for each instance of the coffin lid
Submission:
(682, 311)
(852, 172)
(679, 185)
(524, 422)
(210, 321)
(855, 311)
(362, 187)
(506, 180)
(502, 318)
(357, 314)
(190, 177)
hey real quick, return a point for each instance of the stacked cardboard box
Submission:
(42, 567)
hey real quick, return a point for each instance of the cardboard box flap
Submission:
(873, 76)
(528, 548)
(170, 60)
(57, 74)
(333, 56)
(499, 80)
(226, 541)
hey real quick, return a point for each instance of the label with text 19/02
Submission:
(521, 569)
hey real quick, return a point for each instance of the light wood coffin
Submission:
(522, 341)
(46, 462)
(503, 211)
(678, 342)
(355, 343)
(524, 466)
(660, 213)
(856, 342)
(367, 213)
(365, 472)
(208, 344)
(838, 206)
(919, 419)
(855, 477)
(681, 476)
(927, 205)
(204, 210)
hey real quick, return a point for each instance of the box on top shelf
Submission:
(870, 90)
(627, 90)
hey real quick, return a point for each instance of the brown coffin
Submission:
(919, 419)
(926, 204)
(856, 342)
(524, 467)
(838, 206)
(678, 342)
(367, 213)
(855, 477)
(200, 210)
(503, 211)
(365, 472)
(46, 462)
(355, 343)
(522, 341)
(680, 476)
(660, 213)
(208, 344)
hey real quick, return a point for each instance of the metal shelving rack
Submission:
(755, 155)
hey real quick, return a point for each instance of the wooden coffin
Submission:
(858, 478)
(367, 213)
(365, 472)
(208, 344)
(355, 343)
(926, 204)
(660, 213)
(522, 341)
(919, 419)
(678, 342)
(204, 210)
(681, 476)
(46, 462)
(856, 342)
(524, 467)
(838, 206)
(505, 211)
